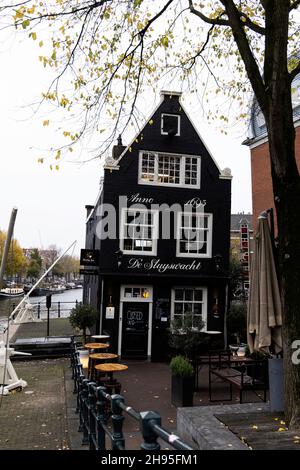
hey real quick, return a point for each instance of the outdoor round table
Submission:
(97, 358)
(96, 346)
(103, 356)
(110, 367)
(100, 337)
(92, 347)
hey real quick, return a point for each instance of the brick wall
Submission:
(262, 193)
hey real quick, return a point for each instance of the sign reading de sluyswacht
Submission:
(156, 265)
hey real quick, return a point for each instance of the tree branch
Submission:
(243, 45)
(295, 71)
(90, 6)
(249, 23)
(294, 5)
(213, 21)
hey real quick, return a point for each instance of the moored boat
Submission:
(11, 292)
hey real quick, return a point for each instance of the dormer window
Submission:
(170, 124)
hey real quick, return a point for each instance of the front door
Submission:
(135, 324)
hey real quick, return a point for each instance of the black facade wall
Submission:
(215, 191)
(124, 182)
(161, 307)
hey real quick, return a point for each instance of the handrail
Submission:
(95, 406)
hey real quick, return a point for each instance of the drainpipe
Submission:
(7, 243)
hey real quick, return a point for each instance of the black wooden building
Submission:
(166, 254)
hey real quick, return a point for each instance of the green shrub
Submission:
(186, 337)
(83, 316)
(180, 366)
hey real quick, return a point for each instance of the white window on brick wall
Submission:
(158, 168)
(138, 231)
(189, 307)
(194, 235)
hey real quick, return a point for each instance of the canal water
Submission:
(66, 301)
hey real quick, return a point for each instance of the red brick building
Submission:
(262, 193)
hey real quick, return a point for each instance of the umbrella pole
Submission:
(225, 317)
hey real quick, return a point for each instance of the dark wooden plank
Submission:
(261, 430)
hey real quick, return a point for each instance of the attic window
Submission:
(170, 124)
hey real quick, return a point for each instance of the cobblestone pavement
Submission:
(36, 417)
(42, 416)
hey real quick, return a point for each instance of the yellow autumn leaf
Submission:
(281, 429)
(254, 426)
(51, 168)
(33, 35)
(41, 43)
(151, 122)
(57, 167)
(46, 122)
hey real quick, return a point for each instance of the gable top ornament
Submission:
(226, 173)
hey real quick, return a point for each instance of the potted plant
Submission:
(83, 316)
(182, 389)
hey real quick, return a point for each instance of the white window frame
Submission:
(155, 232)
(208, 253)
(182, 175)
(148, 299)
(204, 303)
(178, 123)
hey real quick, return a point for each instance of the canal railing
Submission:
(96, 408)
(57, 309)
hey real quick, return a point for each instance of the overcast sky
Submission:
(51, 203)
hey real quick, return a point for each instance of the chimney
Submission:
(118, 149)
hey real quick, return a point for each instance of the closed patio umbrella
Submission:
(264, 318)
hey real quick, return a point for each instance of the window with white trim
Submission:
(170, 124)
(194, 235)
(169, 169)
(189, 304)
(138, 231)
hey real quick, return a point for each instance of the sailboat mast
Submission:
(7, 243)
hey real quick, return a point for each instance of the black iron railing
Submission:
(57, 310)
(97, 408)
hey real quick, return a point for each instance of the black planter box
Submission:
(182, 391)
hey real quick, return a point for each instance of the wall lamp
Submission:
(218, 261)
(119, 255)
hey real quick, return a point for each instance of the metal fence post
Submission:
(118, 441)
(150, 443)
(92, 415)
(101, 417)
(58, 309)
(39, 310)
